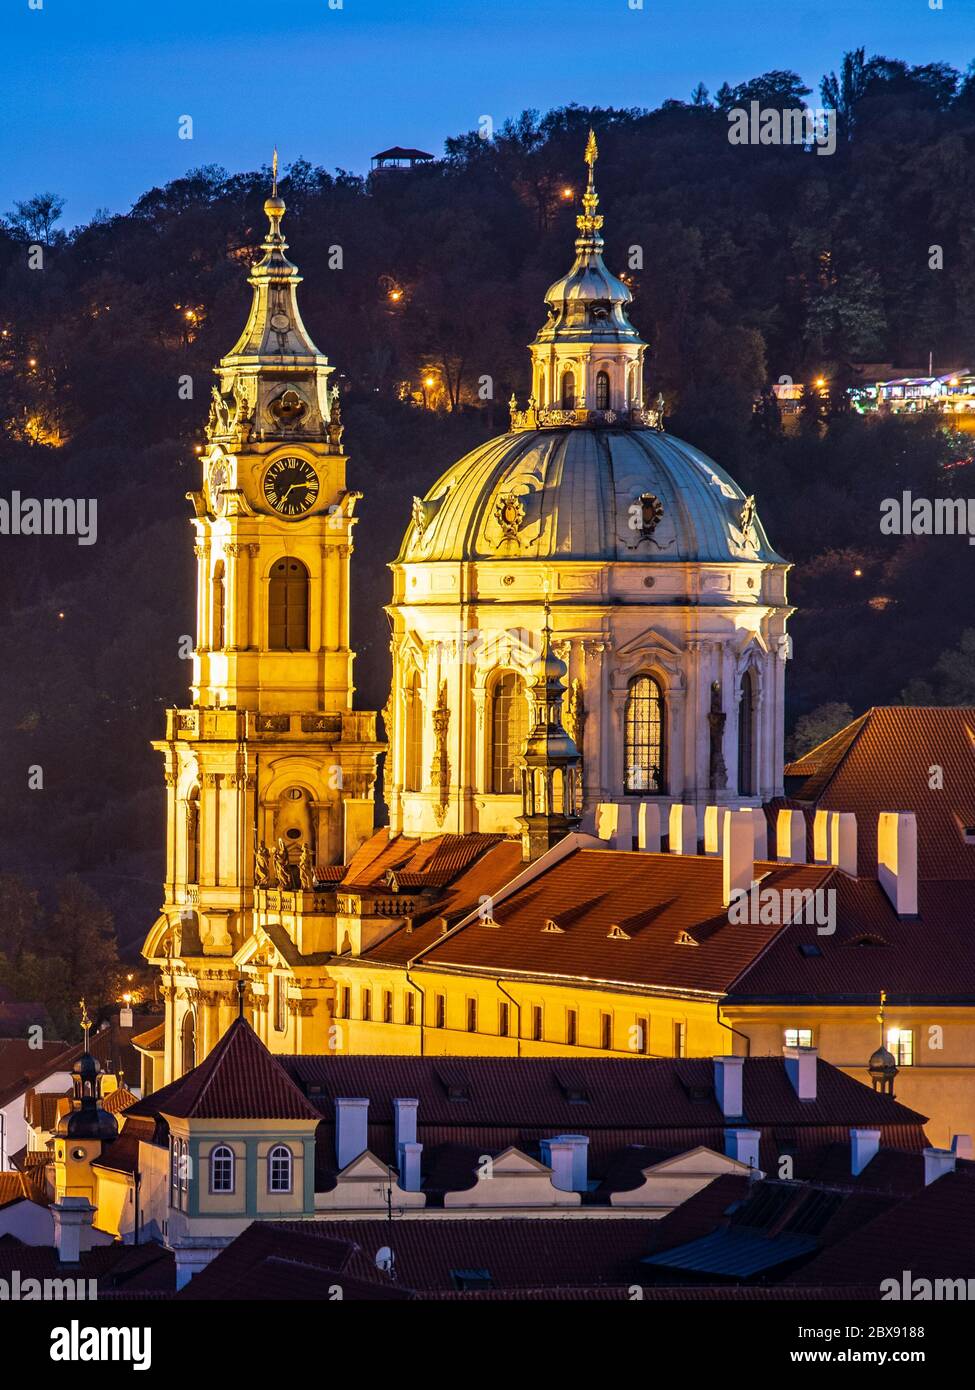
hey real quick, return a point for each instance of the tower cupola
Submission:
(549, 765)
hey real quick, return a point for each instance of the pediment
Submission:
(513, 1163)
(651, 639)
(367, 1168)
(696, 1161)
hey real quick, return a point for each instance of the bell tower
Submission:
(269, 759)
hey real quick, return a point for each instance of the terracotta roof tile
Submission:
(882, 762)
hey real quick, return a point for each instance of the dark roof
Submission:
(266, 1262)
(239, 1080)
(919, 959)
(115, 1266)
(399, 152)
(23, 1066)
(882, 762)
(735, 1253)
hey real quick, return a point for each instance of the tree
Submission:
(816, 727)
(953, 677)
(34, 219)
(82, 934)
(19, 918)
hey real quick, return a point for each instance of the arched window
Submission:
(509, 729)
(188, 1040)
(413, 772)
(287, 607)
(219, 607)
(193, 836)
(568, 391)
(746, 736)
(221, 1169)
(602, 390)
(644, 752)
(279, 1169)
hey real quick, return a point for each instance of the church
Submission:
(584, 757)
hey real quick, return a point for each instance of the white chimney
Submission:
(790, 837)
(404, 1120)
(800, 1066)
(728, 1083)
(961, 1146)
(351, 1128)
(937, 1162)
(897, 859)
(761, 833)
(125, 1017)
(737, 854)
(409, 1166)
(713, 825)
(568, 1157)
(648, 827)
(821, 837)
(864, 1144)
(73, 1218)
(614, 824)
(683, 830)
(843, 841)
(742, 1144)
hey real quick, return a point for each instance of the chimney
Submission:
(843, 841)
(409, 1166)
(897, 859)
(648, 827)
(683, 830)
(864, 1144)
(713, 825)
(737, 853)
(800, 1066)
(568, 1157)
(742, 1144)
(404, 1120)
(961, 1146)
(728, 1084)
(937, 1162)
(761, 833)
(821, 837)
(351, 1128)
(790, 837)
(614, 823)
(125, 1016)
(73, 1218)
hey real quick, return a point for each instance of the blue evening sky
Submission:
(93, 89)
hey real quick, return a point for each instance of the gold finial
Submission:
(589, 221)
(880, 1016)
(274, 173)
(85, 1021)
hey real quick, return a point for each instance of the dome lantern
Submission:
(587, 359)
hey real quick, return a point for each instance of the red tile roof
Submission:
(652, 897)
(882, 762)
(23, 1187)
(239, 1080)
(924, 958)
(114, 1266)
(429, 863)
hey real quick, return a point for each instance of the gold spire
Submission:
(85, 1021)
(589, 221)
(274, 173)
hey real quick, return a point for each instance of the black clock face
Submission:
(291, 486)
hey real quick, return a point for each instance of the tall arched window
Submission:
(287, 607)
(509, 729)
(219, 608)
(279, 1169)
(413, 771)
(221, 1169)
(568, 391)
(746, 736)
(188, 1040)
(193, 836)
(602, 390)
(644, 753)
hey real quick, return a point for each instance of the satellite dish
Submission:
(385, 1259)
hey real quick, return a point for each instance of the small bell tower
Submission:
(549, 766)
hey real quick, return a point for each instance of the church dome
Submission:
(608, 494)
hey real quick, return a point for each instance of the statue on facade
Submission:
(282, 869)
(717, 768)
(306, 870)
(262, 867)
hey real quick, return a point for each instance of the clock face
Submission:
(219, 479)
(291, 486)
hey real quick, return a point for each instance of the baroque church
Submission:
(585, 743)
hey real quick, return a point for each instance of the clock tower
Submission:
(269, 763)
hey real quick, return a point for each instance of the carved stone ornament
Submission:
(509, 513)
(651, 513)
(440, 768)
(746, 516)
